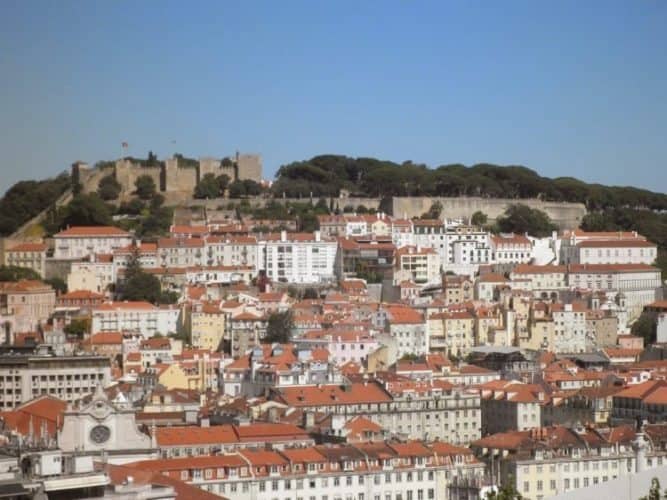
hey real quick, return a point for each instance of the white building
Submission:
(299, 258)
(408, 327)
(610, 247)
(141, 317)
(421, 265)
(181, 252)
(239, 251)
(69, 378)
(511, 249)
(637, 282)
(79, 242)
(570, 329)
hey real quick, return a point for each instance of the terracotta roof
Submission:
(118, 475)
(635, 243)
(610, 268)
(534, 269)
(91, 232)
(326, 395)
(31, 415)
(126, 306)
(514, 239)
(28, 247)
(102, 338)
(404, 315)
(81, 295)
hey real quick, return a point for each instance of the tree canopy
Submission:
(25, 199)
(14, 273)
(211, 186)
(109, 188)
(326, 175)
(279, 328)
(145, 187)
(523, 219)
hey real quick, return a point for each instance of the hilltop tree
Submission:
(478, 218)
(434, 212)
(109, 188)
(207, 187)
(523, 219)
(145, 187)
(85, 210)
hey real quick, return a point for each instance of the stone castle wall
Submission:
(176, 183)
(565, 215)
(127, 174)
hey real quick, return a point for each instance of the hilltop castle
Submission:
(175, 178)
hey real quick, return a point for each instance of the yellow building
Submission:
(198, 374)
(207, 326)
(452, 332)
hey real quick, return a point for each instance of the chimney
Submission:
(283, 235)
(318, 236)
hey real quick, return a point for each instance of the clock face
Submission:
(100, 434)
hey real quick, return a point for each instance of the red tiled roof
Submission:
(91, 231)
(635, 243)
(28, 247)
(333, 395)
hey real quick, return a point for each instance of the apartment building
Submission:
(631, 285)
(69, 378)
(234, 251)
(141, 317)
(570, 328)
(145, 253)
(181, 252)
(452, 332)
(408, 327)
(420, 265)
(646, 401)
(27, 255)
(403, 406)
(508, 405)
(300, 258)
(220, 275)
(274, 366)
(370, 471)
(545, 282)
(457, 289)
(28, 302)
(487, 286)
(79, 242)
(343, 345)
(606, 247)
(193, 441)
(96, 274)
(208, 326)
(511, 249)
(547, 461)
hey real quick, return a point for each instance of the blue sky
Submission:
(566, 88)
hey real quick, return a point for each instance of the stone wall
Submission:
(249, 167)
(565, 215)
(127, 173)
(181, 180)
(177, 183)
